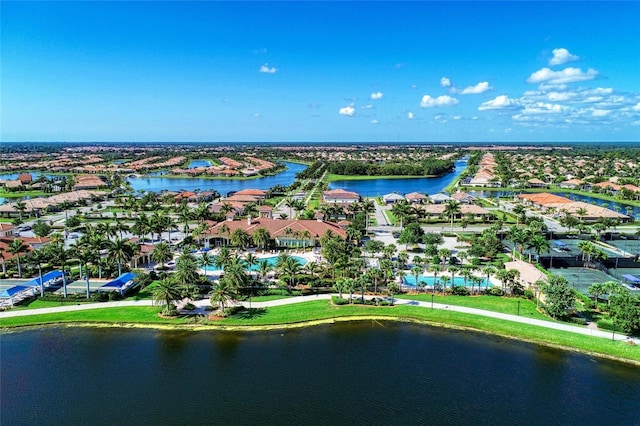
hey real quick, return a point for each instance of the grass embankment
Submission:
(37, 304)
(23, 194)
(323, 311)
(504, 305)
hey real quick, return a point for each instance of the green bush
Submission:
(578, 320)
(458, 290)
(605, 324)
(336, 300)
(528, 294)
(189, 307)
(494, 291)
(99, 297)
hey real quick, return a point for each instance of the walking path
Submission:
(201, 304)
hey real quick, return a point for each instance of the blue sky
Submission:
(320, 71)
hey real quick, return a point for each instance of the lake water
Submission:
(380, 187)
(356, 373)
(157, 184)
(198, 163)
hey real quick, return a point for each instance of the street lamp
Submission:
(518, 308)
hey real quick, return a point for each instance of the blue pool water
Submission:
(410, 280)
(270, 260)
(198, 163)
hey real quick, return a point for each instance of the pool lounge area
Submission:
(410, 281)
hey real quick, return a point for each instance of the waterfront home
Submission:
(392, 198)
(439, 198)
(416, 198)
(571, 184)
(257, 193)
(283, 232)
(25, 178)
(88, 182)
(469, 210)
(530, 276)
(340, 196)
(536, 183)
(463, 197)
(561, 205)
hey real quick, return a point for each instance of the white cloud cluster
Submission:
(410, 115)
(481, 87)
(445, 82)
(562, 56)
(376, 95)
(549, 78)
(267, 69)
(500, 102)
(349, 111)
(444, 100)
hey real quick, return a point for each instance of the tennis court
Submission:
(629, 246)
(582, 278)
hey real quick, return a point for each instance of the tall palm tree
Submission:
(224, 230)
(223, 292)
(204, 261)
(121, 251)
(416, 271)
(263, 269)
(451, 209)
(488, 271)
(452, 271)
(240, 238)
(60, 255)
(141, 226)
(86, 255)
(166, 292)
(161, 254)
(435, 268)
(538, 244)
(290, 268)
(38, 257)
(16, 247)
(261, 238)
(368, 207)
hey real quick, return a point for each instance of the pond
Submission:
(380, 187)
(350, 373)
(198, 163)
(223, 186)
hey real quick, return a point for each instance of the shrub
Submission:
(528, 294)
(578, 320)
(189, 307)
(99, 297)
(494, 291)
(114, 295)
(336, 300)
(458, 290)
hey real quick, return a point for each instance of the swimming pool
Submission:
(410, 280)
(271, 261)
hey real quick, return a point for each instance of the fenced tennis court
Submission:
(582, 278)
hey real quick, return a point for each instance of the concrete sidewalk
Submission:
(201, 304)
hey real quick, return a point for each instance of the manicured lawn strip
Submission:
(269, 297)
(37, 304)
(323, 310)
(21, 194)
(505, 305)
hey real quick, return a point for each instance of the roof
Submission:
(393, 196)
(528, 273)
(341, 194)
(276, 227)
(12, 291)
(255, 192)
(440, 197)
(544, 198)
(415, 196)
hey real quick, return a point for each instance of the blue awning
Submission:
(631, 278)
(559, 243)
(10, 292)
(46, 278)
(121, 281)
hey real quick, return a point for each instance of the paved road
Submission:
(280, 302)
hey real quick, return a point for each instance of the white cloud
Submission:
(374, 121)
(547, 77)
(481, 87)
(414, 86)
(445, 82)
(562, 56)
(636, 107)
(500, 102)
(444, 100)
(456, 117)
(376, 95)
(349, 111)
(410, 115)
(257, 115)
(368, 106)
(600, 112)
(267, 69)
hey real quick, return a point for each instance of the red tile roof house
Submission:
(340, 196)
(285, 232)
(25, 178)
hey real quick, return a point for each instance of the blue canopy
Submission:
(49, 276)
(631, 278)
(10, 292)
(121, 281)
(559, 243)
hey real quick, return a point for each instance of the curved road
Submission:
(301, 299)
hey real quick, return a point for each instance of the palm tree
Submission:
(223, 292)
(451, 209)
(453, 270)
(263, 269)
(39, 257)
(401, 210)
(466, 273)
(340, 286)
(161, 254)
(121, 251)
(416, 271)
(204, 261)
(539, 244)
(393, 289)
(261, 238)
(251, 260)
(167, 292)
(435, 268)
(488, 271)
(367, 207)
(375, 274)
(16, 247)
(240, 238)
(363, 284)
(290, 268)
(86, 255)
(597, 289)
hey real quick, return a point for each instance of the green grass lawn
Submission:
(505, 305)
(269, 297)
(37, 304)
(21, 194)
(324, 310)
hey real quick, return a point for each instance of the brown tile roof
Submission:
(276, 227)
